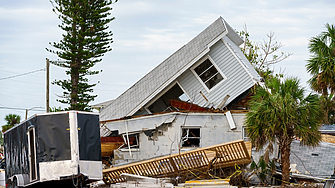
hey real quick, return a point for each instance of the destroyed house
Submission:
(204, 71)
(189, 100)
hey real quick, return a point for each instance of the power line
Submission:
(30, 99)
(18, 73)
(23, 74)
(37, 94)
(12, 108)
(27, 82)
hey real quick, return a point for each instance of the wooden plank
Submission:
(229, 151)
(173, 164)
(248, 145)
(229, 154)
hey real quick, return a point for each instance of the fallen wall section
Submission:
(217, 156)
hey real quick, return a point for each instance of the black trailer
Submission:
(54, 148)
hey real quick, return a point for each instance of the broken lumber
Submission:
(230, 154)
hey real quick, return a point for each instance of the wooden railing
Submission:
(217, 156)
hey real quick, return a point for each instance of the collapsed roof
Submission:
(216, 46)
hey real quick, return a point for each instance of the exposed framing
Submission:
(162, 93)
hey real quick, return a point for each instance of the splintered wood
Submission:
(217, 156)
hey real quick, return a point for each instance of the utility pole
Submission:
(47, 92)
(31, 109)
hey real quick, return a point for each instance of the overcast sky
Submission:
(145, 33)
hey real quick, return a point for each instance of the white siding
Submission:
(238, 80)
(240, 54)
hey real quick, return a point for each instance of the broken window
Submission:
(208, 73)
(190, 137)
(132, 139)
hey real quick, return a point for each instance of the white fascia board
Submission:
(64, 112)
(225, 24)
(174, 77)
(230, 120)
(238, 59)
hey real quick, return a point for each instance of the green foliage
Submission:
(55, 109)
(6, 127)
(263, 54)
(328, 108)
(279, 112)
(262, 169)
(85, 41)
(321, 65)
(11, 121)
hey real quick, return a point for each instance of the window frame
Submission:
(132, 147)
(215, 66)
(244, 131)
(190, 127)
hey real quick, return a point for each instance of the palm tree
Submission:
(12, 120)
(322, 63)
(278, 113)
(328, 108)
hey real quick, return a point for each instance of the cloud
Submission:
(26, 14)
(156, 39)
(146, 33)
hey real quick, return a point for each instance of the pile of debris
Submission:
(183, 164)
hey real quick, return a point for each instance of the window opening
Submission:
(209, 75)
(133, 141)
(190, 137)
(245, 134)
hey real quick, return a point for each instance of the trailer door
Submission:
(89, 137)
(32, 154)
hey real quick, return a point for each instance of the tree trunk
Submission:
(74, 91)
(285, 151)
(75, 67)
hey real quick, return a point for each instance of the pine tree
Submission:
(85, 41)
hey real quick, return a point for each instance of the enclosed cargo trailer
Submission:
(54, 148)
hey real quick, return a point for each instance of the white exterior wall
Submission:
(238, 80)
(214, 129)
